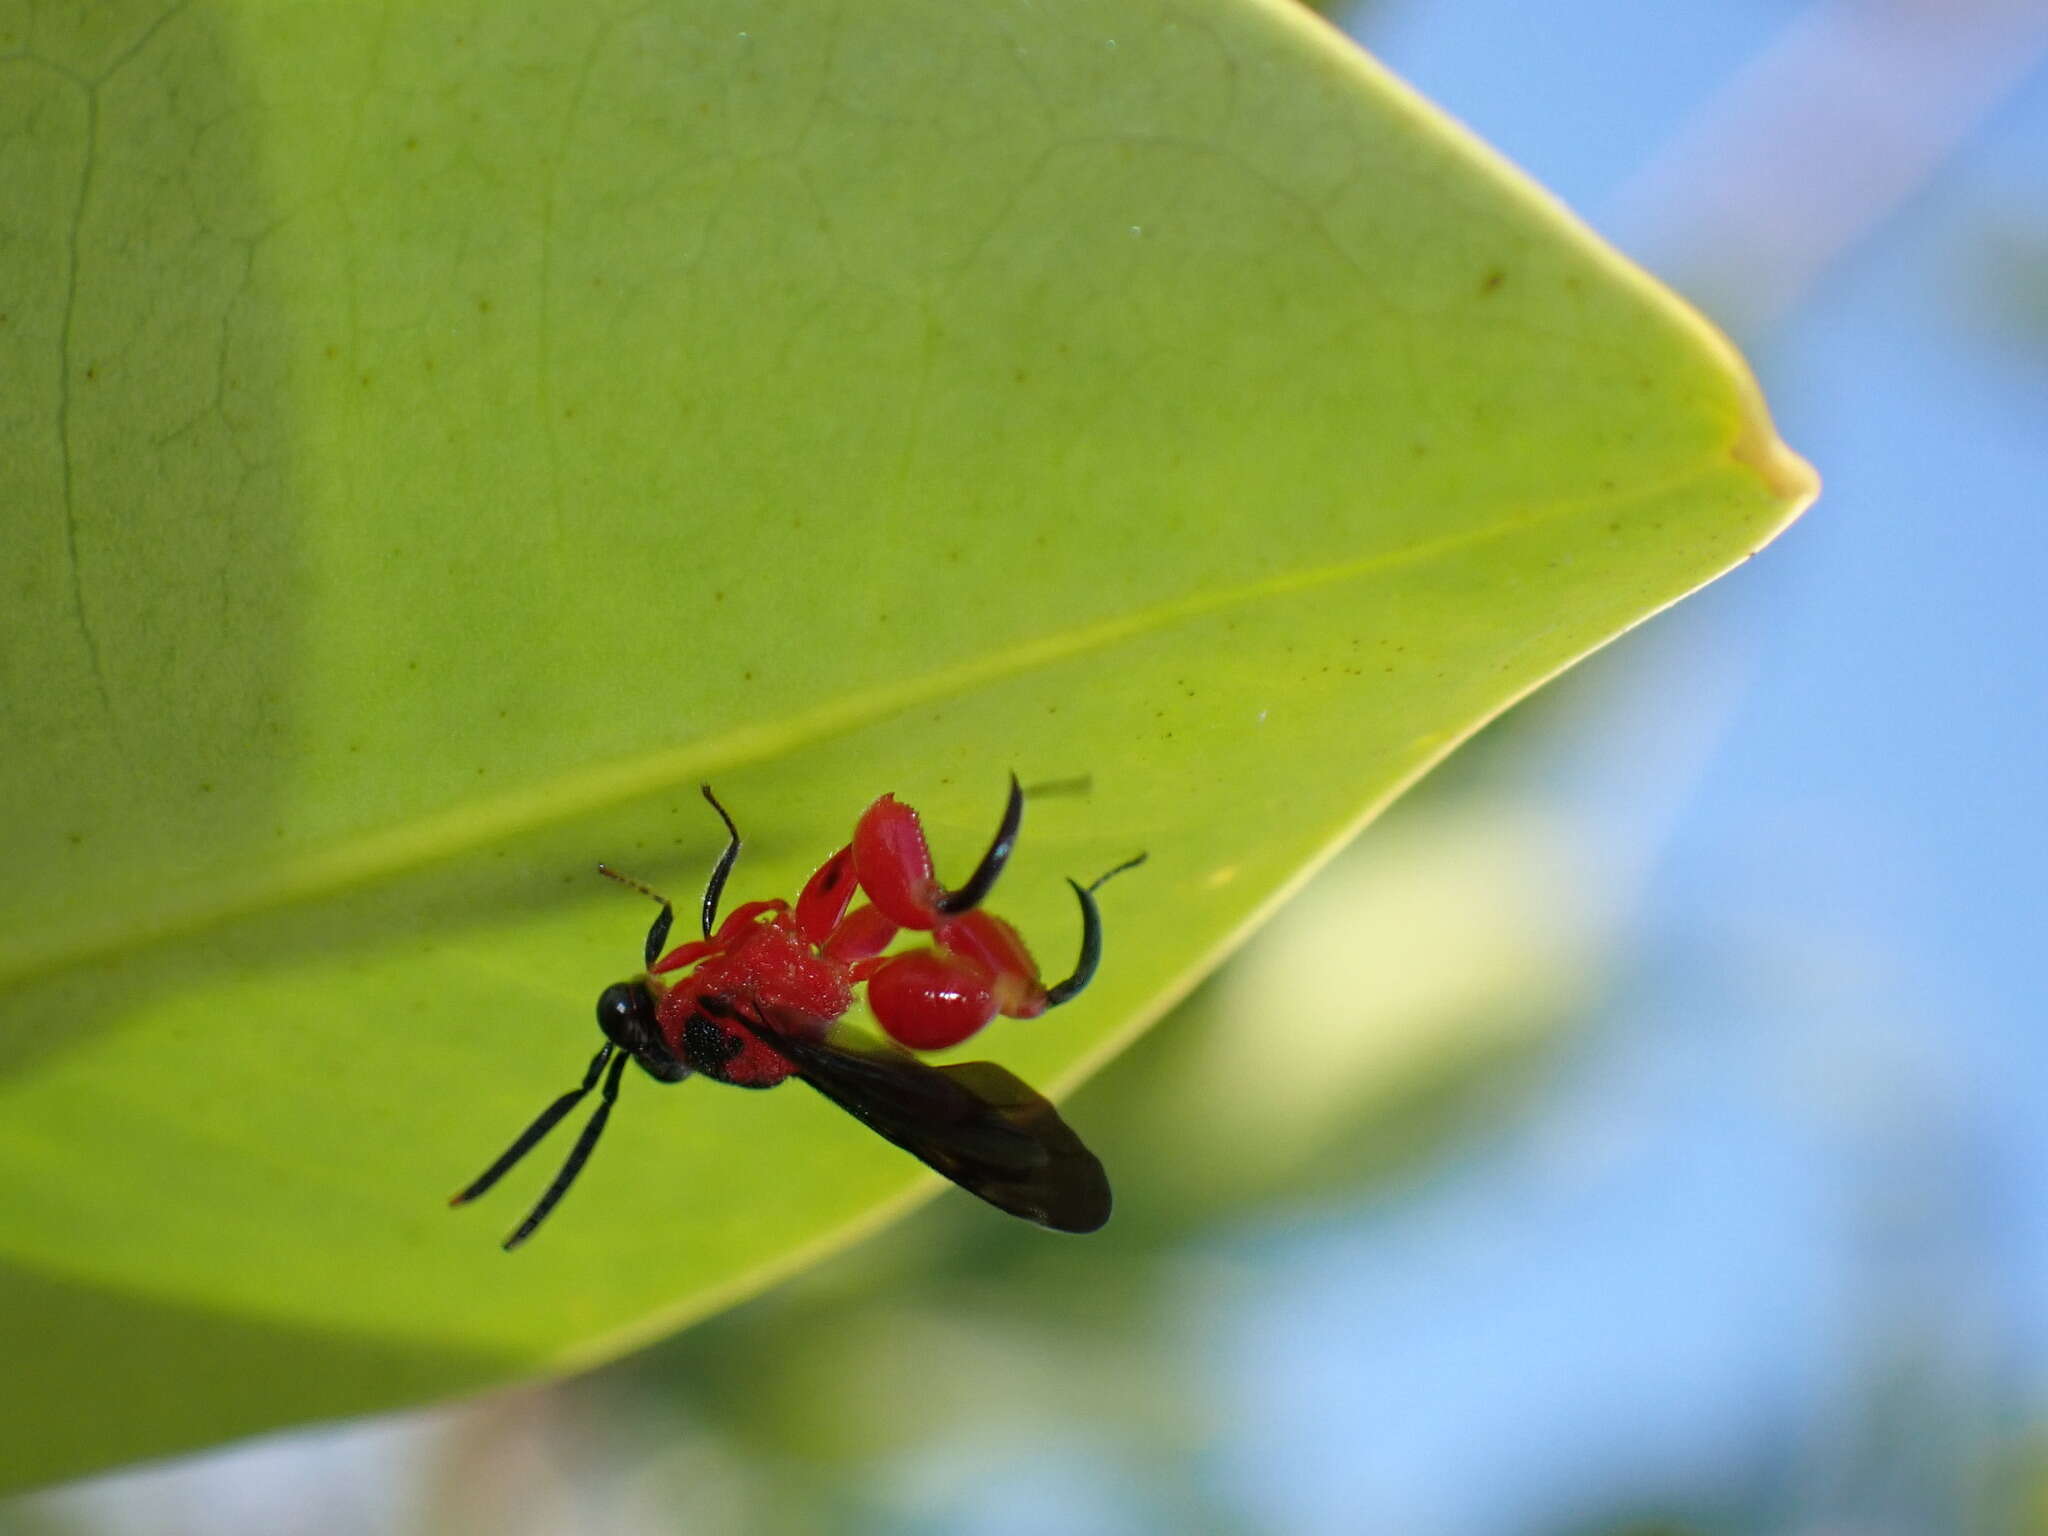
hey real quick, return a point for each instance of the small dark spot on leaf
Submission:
(1492, 281)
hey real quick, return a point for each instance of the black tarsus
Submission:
(578, 1154)
(530, 1137)
(657, 934)
(1091, 937)
(1110, 874)
(982, 881)
(723, 868)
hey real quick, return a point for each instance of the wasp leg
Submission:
(1091, 938)
(723, 868)
(982, 881)
(894, 863)
(578, 1156)
(530, 1137)
(928, 999)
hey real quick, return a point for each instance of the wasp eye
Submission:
(625, 1012)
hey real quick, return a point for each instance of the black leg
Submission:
(549, 1118)
(716, 888)
(578, 1156)
(657, 935)
(982, 881)
(1091, 938)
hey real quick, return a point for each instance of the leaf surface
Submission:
(439, 438)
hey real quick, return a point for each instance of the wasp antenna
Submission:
(657, 933)
(982, 881)
(530, 1137)
(627, 880)
(578, 1156)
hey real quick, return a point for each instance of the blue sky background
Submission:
(1776, 1242)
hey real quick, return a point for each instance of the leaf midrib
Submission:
(382, 855)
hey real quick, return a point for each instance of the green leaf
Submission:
(438, 438)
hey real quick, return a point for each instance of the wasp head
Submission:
(626, 1013)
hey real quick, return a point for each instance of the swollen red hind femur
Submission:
(895, 864)
(928, 1000)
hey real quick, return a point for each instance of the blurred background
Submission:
(1644, 1128)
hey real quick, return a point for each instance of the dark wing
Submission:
(983, 1128)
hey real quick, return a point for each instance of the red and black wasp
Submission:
(760, 998)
